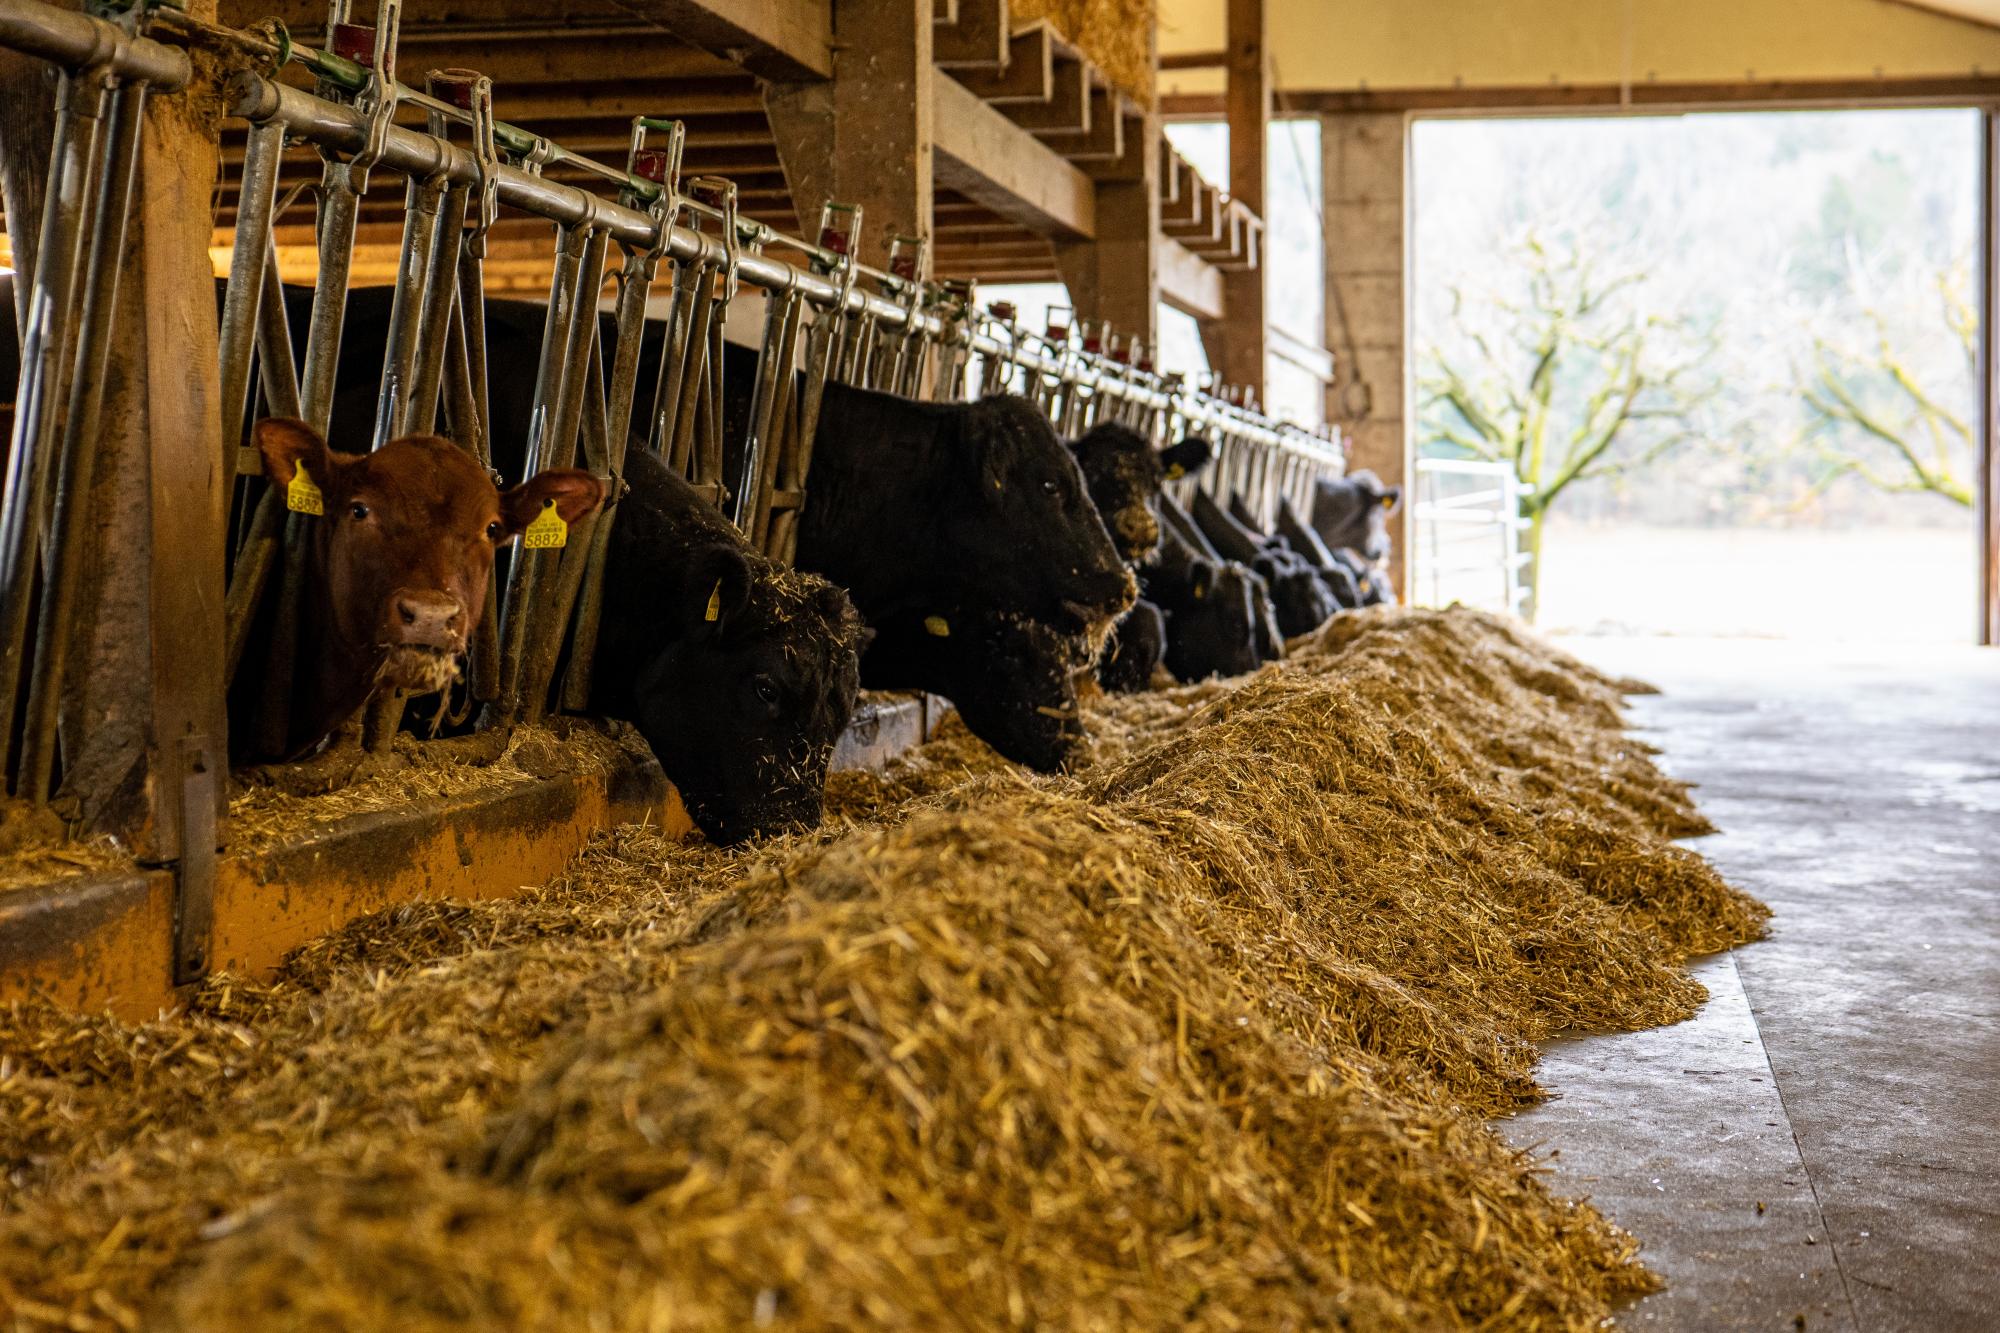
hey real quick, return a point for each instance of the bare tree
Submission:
(1573, 380)
(1882, 411)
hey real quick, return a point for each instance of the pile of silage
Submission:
(1203, 1035)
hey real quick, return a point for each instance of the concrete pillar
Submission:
(1365, 160)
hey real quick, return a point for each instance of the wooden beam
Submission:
(976, 38)
(1103, 141)
(1189, 283)
(1989, 378)
(773, 39)
(1115, 276)
(1030, 72)
(1068, 106)
(865, 138)
(1249, 99)
(985, 157)
(1940, 90)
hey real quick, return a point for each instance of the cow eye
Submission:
(358, 510)
(493, 531)
(767, 689)
(1049, 486)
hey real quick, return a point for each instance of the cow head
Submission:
(1042, 550)
(1213, 621)
(1011, 678)
(402, 546)
(1124, 474)
(1301, 598)
(744, 703)
(1351, 513)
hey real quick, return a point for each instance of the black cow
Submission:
(1011, 678)
(915, 507)
(1124, 475)
(1211, 616)
(1136, 650)
(740, 674)
(1301, 601)
(1351, 513)
(742, 710)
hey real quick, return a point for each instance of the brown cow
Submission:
(400, 554)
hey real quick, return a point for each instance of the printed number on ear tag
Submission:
(548, 531)
(714, 611)
(937, 626)
(301, 495)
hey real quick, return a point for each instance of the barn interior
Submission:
(1430, 972)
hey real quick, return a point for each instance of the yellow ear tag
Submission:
(548, 532)
(301, 496)
(714, 611)
(1388, 502)
(1200, 592)
(937, 626)
(1176, 472)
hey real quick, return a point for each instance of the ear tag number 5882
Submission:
(548, 531)
(301, 495)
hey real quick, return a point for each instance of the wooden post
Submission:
(1989, 379)
(865, 137)
(144, 708)
(1249, 100)
(1116, 275)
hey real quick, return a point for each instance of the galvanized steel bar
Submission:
(70, 526)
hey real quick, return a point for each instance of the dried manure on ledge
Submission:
(1203, 1035)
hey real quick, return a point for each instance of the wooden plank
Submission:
(1115, 276)
(1199, 216)
(1103, 141)
(1068, 107)
(977, 38)
(1249, 97)
(773, 39)
(984, 156)
(1838, 94)
(1029, 75)
(866, 137)
(1188, 283)
(1989, 379)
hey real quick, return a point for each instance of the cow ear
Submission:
(572, 491)
(285, 443)
(718, 584)
(1186, 458)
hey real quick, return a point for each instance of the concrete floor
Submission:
(1820, 1148)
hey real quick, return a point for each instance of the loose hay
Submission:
(1200, 1036)
(1117, 34)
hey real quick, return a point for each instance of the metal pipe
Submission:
(240, 299)
(24, 503)
(80, 41)
(421, 201)
(70, 527)
(440, 292)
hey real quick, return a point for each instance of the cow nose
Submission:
(428, 620)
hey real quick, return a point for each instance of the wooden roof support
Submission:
(977, 38)
(866, 137)
(1189, 283)
(1030, 75)
(1103, 141)
(985, 157)
(1115, 276)
(1068, 107)
(1249, 98)
(774, 39)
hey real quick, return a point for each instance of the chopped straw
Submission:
(1203, 1035)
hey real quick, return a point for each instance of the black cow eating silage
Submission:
(740, 674)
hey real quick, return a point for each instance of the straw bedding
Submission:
(1117, 34)
(1203, 1035)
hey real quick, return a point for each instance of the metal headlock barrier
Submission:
(827, 318)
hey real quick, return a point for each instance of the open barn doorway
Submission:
(1724, 366)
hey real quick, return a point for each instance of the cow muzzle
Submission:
(423, 635)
